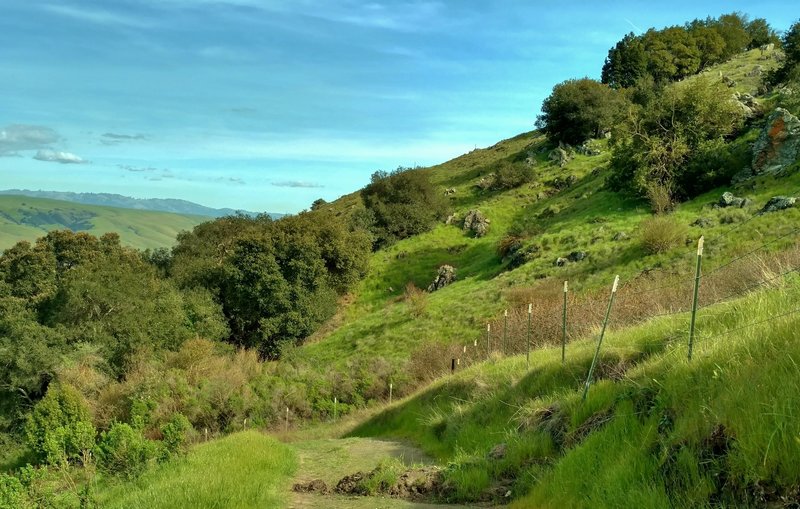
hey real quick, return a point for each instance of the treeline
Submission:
(673, 53)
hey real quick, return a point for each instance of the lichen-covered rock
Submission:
(445, 276)
(560, 262)
(778, 145)
(476, 223)
(729, 200)
(620, 236)
(560, 156)
(777, 203)
(498, 452)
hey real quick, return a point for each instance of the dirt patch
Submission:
(414, 484)
(315, 486)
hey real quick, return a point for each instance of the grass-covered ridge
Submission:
(26, 218)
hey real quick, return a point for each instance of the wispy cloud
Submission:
(297, 183)
(136, 169)
(97, 16)
(117, 138)
(55, 156)
(16, 137)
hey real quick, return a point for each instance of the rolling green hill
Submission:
(25, 218)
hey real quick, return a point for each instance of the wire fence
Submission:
(549, 314)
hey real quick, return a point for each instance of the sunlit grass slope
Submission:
(247, 470)
(25, 218)
(655, 431)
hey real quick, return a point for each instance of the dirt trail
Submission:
(332, 459)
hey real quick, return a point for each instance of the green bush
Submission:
(123, 451)
(508, 175)
(176, 433)
(13, 495)
(59, 429)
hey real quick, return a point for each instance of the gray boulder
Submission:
(560, 156)
(702, 222)
(777, 203)
(778, 145)
(576, 256)
(476, 223)
(729, 200)
(620, 236)
(560, 262)
(445, 276)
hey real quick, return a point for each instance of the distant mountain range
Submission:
(117, 200)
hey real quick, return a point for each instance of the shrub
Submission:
(13, 494)
(416, 299)
(659, 234)
(60, 429)
(176, 433)
(732, 216)
(508, 175)
(125, 452)
(660, 198)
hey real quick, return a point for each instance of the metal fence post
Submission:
(600, 342)
(528, 342)
(696, 292)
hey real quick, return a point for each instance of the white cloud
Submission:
(297, 183)
(97, 16)
(17, 137)
(55, 156)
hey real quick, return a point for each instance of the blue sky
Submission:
(268, 105)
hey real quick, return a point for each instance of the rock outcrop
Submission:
(778, 145)
(476, 223)
(445, 276)
(560, 156)
(729, 200)
(777, 203)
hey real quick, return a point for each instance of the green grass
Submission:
(25, 218)
(643, 438)
(247, 470)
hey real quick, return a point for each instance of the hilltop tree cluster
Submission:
(670, 137)
(676, 52)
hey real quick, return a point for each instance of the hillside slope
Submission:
(26, 218)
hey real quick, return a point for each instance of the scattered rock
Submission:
(519, 256)
(748, 104)
(450, 191)
(756, 71)
(778, 145)
(402, 254)
(563, 182)
(315, 486)
(576, 256)
(450, 219)
(702, 222)
(729, 200)
(476, 223)
(415, 484)
(765, 48)
(588, 149)
(729, 81)
(486, 182)
(445, 276)
(560, 262)
(620, 236)
(777, 203)
(560, 156)
(498, 452)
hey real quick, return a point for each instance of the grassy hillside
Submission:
(259, 465)
(655, 430)
(25, 218)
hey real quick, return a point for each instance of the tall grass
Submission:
(655, 431)
(246, 470)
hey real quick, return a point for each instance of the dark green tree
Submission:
(579, 109)
(626, 63)
(403, 203)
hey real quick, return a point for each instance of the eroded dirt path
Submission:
(332, 459)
